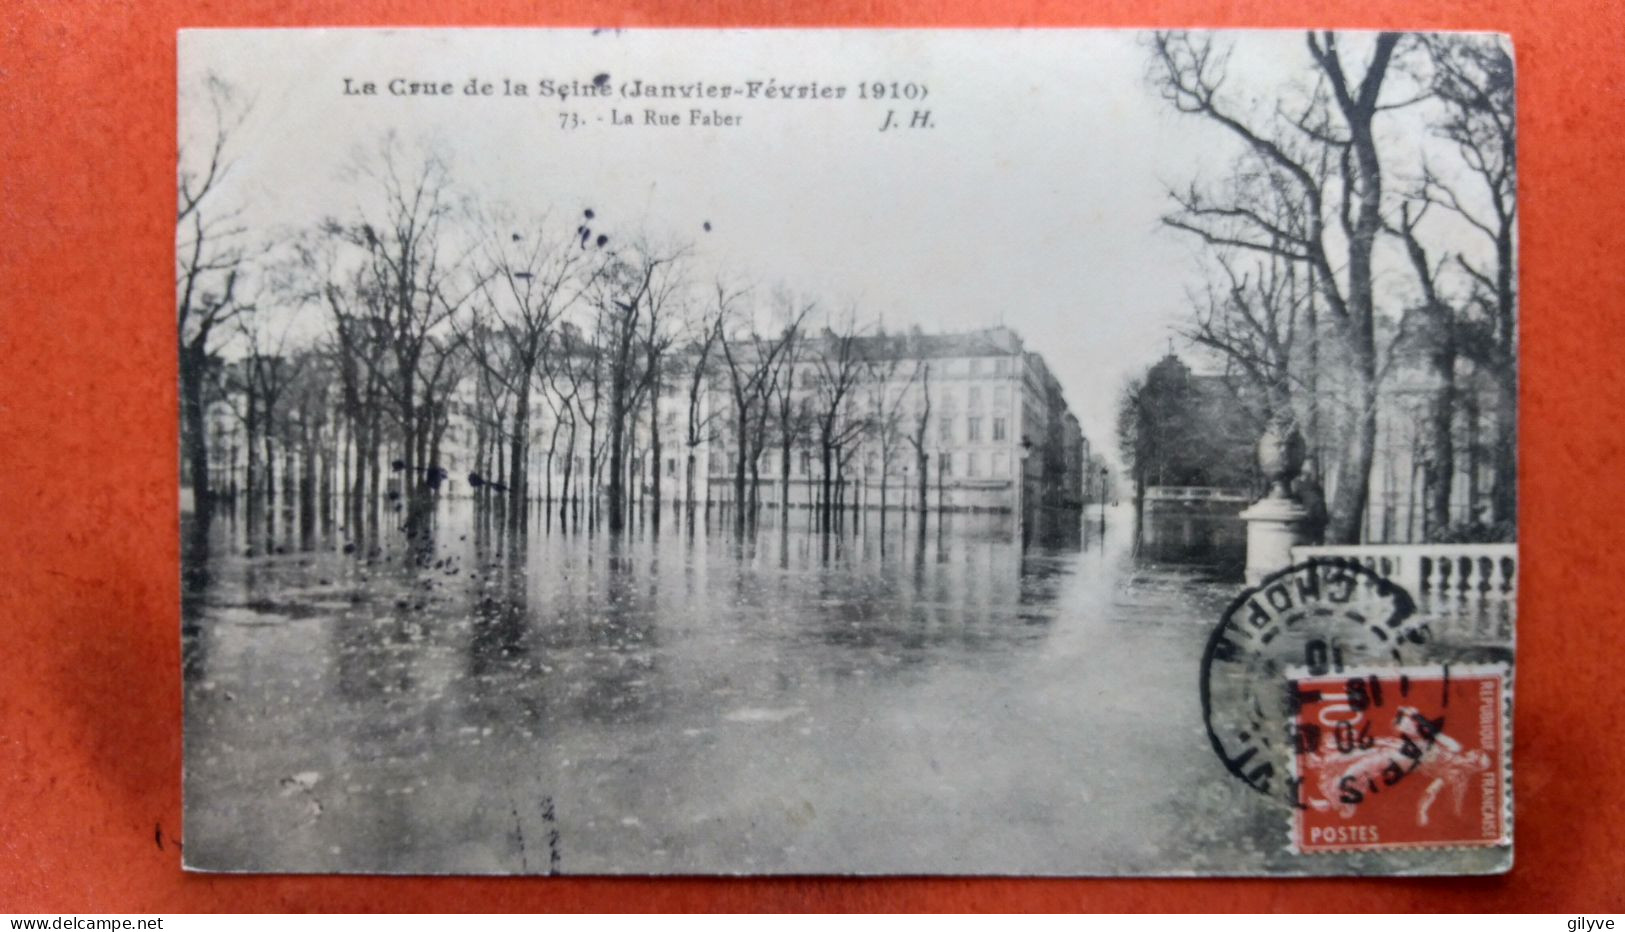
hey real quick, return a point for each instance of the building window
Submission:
(806, 462)
(973, 429)
(973, 464)
(1001, 366)
(671, 465)
(975, 367)
(975, 398)
(1001, 465)
(945, 430)
(998, 428)
(1001, 397)
(945, 465)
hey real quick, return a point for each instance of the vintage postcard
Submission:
(847, 451)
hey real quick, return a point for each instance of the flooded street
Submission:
(679, 702)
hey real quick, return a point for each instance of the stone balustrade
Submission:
(1465, 571)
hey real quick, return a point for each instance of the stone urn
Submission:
(1280, 456)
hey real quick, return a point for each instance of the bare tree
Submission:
(888, 395)
(359, 346)
(1252, 317)
(840, 364)
(558, 415)
(410, 282)
(210, 262)
(583, 367)
(752, 360)
(916, 436)
(1339, 216)
(269, 365)
(700, 415)
(305, 429)
(533, 278)
(494, 378)
(1437, 337)
(630, 295)
(790, 407)
(563, 391)
(662, 312)
(1473, 80)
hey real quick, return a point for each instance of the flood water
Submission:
(982, 698)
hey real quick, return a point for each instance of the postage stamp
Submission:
(1318, 616)
(1412, 757)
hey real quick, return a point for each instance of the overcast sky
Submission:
(1034, 200)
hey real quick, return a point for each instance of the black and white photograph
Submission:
(957, 452)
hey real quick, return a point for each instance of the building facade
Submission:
(988, 415)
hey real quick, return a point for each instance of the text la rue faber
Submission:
(600, 87)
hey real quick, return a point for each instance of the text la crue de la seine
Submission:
(652, 103)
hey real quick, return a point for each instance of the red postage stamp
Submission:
(1411, 757)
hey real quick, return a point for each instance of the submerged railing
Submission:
(1466, 571)
(1194, 493)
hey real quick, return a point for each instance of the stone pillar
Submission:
(1277, 522)
(1274, 527)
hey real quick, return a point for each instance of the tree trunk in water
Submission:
(193, 360)
(688, 482)
(1441, 443)
(436, 441)
(569, 470)
(617, 478)
(617, 453)
(307, 486)
(654, 456)
(357, 475)
(826, 512)
(755, 486)
(518, 485)
(409, 443)
(251, 468)
(924, 462)
(481, 459)
(270, 460)
(324, 494)
(739, 489)
(784, 476)
(1504, 494)
(346, 455)
(375, 472)
(1470, 413)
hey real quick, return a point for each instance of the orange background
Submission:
(90, 695)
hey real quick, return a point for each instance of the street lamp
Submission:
(1021, 482)
(942, 461)
(1103, 502)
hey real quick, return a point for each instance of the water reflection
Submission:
(608, 603)
(1211, 540)
(667, 693)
